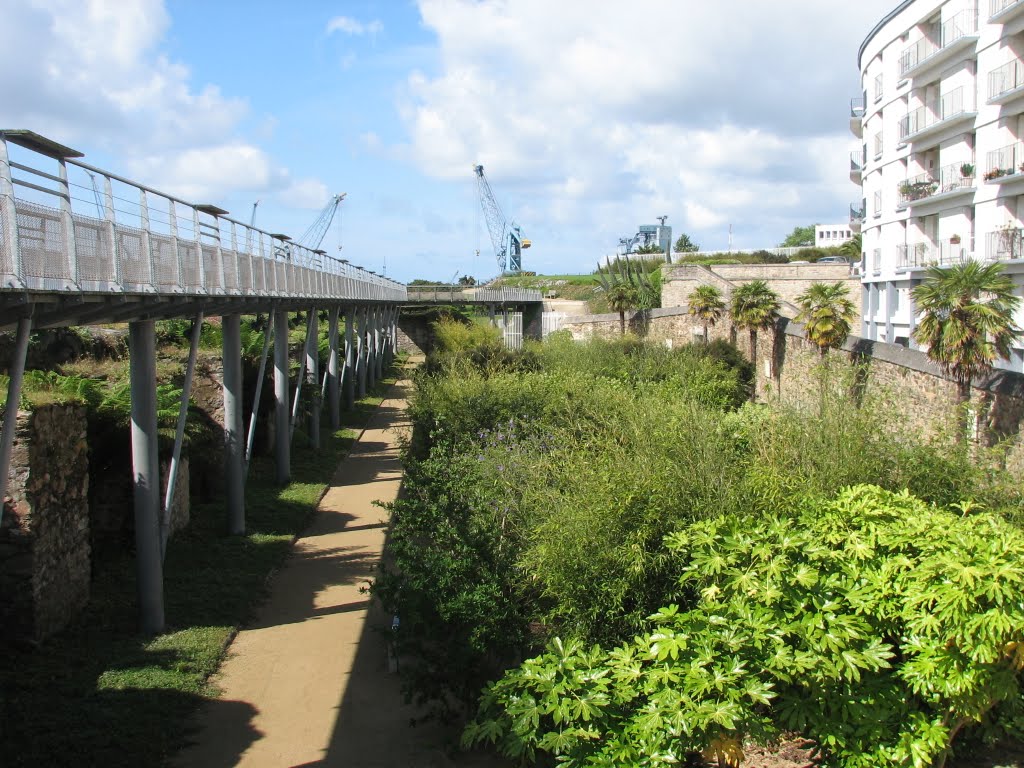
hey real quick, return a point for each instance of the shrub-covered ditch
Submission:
(604, 555)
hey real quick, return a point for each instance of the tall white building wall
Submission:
(941, 168)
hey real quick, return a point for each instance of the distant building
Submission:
(828, 235)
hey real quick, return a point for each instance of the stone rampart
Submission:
(44, 537)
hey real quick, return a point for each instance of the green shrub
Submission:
(879, 626)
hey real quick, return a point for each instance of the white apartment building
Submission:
(829, 235)
(942, 163)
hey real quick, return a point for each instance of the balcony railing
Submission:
(1005, 244)
(856, 165)
(1005, 79)
(856, 212)
(996, 7)
(948, 107)
(956, 28)
(949, 179)
(1006, 161)
(857, 108)
(955, 250)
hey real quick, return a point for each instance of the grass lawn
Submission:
(100, 694)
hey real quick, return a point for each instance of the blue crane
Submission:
(506, 236)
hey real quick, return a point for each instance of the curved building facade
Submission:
(941, 168)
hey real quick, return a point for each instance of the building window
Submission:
(876, 261)
(878, 145)
(878, 203)
(878, 88)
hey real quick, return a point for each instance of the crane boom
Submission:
(318, 229)
(506, 237)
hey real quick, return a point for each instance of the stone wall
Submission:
(44, 536)
(904, 381)
(787, 280)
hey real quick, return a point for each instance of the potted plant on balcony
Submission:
(967, 170)
(954, 240)
(995, 173)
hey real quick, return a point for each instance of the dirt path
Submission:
(307, 684)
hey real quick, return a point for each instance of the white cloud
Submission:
(350, 26)
(92, 75)
(607, 114)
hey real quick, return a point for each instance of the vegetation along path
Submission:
(307, 683)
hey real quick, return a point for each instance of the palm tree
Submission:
(706, 302)
(852, 248)
(827, 314)
(625, 287)
(754, 306)
(966, 319)
(621, 297)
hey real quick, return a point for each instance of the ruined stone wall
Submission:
(44, 536)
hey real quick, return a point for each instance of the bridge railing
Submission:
(453, 295)
(67, 226)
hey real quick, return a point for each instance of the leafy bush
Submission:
(877, 625)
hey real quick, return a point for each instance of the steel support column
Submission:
(371, 347)
(333, 408)
(146, 471)
(361, 353)
(234, 436)
(350, 362)
(379, 343)
(313, 376)
(268, 334)
(282, 431)
(17, 372)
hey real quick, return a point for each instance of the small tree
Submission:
(685, 245)
(799, 236)
(827, 314)
(853, 248)
(706, 302)
(754, 306)
(966, 320)
(625, 287)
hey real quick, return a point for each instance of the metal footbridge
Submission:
(81, 245)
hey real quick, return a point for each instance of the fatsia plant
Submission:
(966, 319)
(706, 303)
(876, 625)
(827, 314)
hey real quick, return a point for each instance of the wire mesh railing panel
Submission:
(188, 259)
(94, 250)
(246, 284)
(230, 261)
(211, 269)
(42, 242)
(165, 263)
(7, 266)
(131, 257)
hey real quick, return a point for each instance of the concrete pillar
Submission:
(350, 358)
(234, 436)
(333, 385)
(380, 343)
(361, 354)
(371, 347)
(313, 377)
(865, 304)
(912, 314)
(17, 371)
(890, 301)
(282, 430)
(146, 472)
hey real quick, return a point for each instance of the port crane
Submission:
(506, 236)
(314, 236)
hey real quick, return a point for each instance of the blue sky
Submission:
(590, 116)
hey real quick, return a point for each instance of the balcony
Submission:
(952, 181)
(924, 255)
(1006, 83)
(857, 116)
(856, 167)
(1005, 244)
(1002, 11)
(956, 36)
(1005, 165)
(924, 124)
(856, 218)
